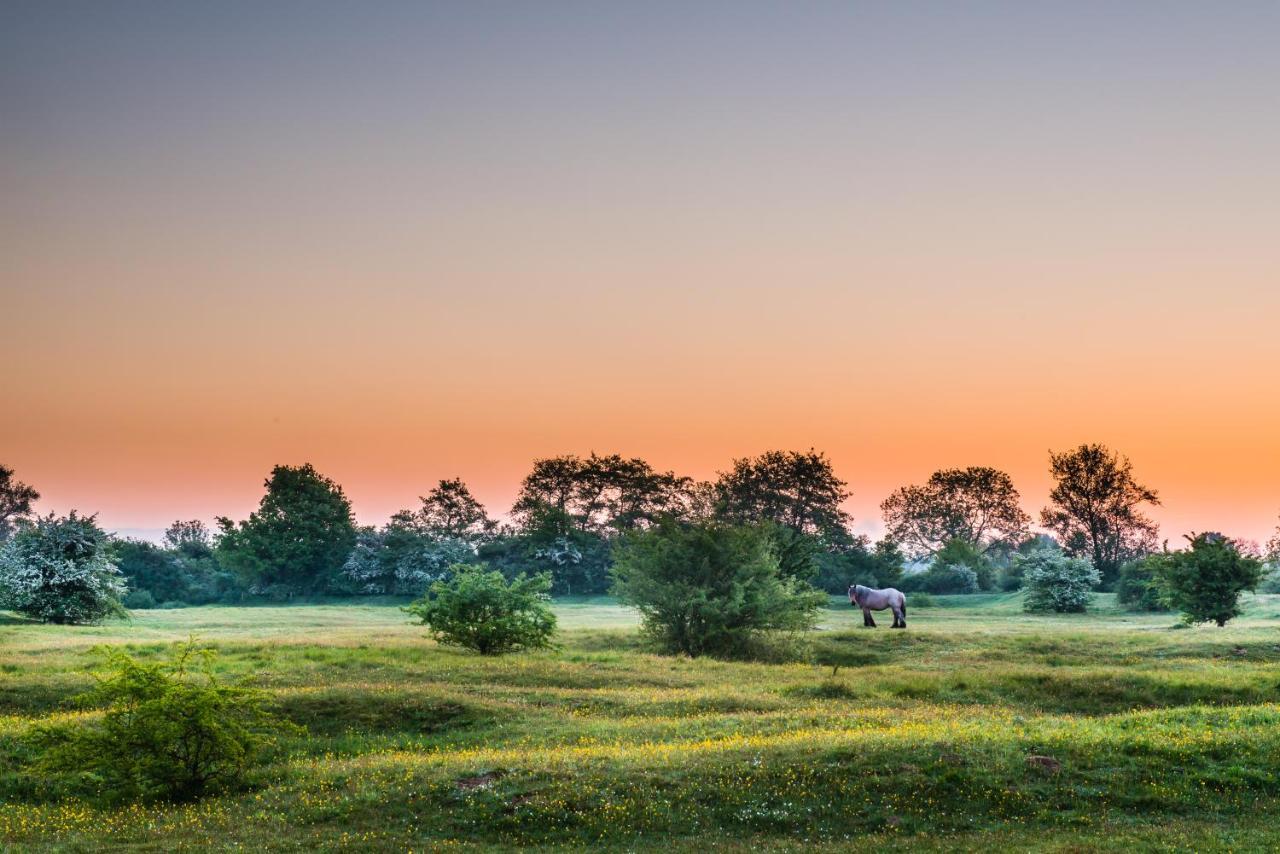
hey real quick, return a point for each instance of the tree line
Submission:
(961, 531)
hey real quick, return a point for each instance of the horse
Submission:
(877, 600)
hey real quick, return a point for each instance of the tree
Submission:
(1056, 582)
(1095, 509)
(794, 489)
(1205, 581)
(59, 570)
(710, 588)
(169, 729)
(15, 502)
(976, 505)
(600, 495)
(477, 608)
(451, 511)
(1273, 547)
(191, 536)
(151, 570)
(298, 539)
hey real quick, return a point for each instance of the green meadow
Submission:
(977, 727)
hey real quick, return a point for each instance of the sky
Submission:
(407, 241)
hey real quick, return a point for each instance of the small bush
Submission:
(169, 730)
(711, 588)
(920, 599)
(1270, 581)
(59, 570)
(478, 609)
(1055, 582)
(1205, 581)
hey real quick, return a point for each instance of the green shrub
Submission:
(1055, 582)
(479, 609)
(169, 729)
(1205, 581)
(710, 588)
(139, 600)
(920, 599)
(1136, 588)
(59, 570)
(1270, 582)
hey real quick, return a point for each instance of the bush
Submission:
(1205, 581)
(1055, 582)
(710, 588)
(58, 570)
(1136, 588)
(1270, 581)
(957, 552)
(169, 730)
(140, 600)
(478, 609)
(921, 600)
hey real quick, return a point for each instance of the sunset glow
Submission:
(442, 240)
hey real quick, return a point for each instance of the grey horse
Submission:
(877, 600)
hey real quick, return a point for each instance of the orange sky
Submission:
(414, 246)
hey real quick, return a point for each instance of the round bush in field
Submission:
(58, 570)
(1055, 582)
(710, 588)
(479, 609)
(1205, 581)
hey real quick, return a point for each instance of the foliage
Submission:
(920, 599)
(960, 552)
(710, 588)
(855, 563)
(790, 488)
(1136, 587)
(404, 557)
(15, 502)
(190, 536)
(599, 495)
(298, 539)
(450, 512)
(479, 609)
(1094, 509)
(1056, 582)
(942, 578)
(169, 729)
(59, 570)
(1205, 581)
(976, 505)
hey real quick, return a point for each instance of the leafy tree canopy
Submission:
(791, 488)
(977, 505)
(601, 495)
(59, 570)
(1095, 508)
(298, 539)
(15, 501)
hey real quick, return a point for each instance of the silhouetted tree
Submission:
(794, 489)
(1095, 509)
(299, 537)
(977, 505)
(450, 510)
(191, 536)
(15, 501)
(603, 495)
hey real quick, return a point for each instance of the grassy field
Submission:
(1155, 737)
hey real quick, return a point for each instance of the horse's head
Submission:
(853, 595)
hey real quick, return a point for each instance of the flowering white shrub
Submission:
(1055, 582)
(59, 570)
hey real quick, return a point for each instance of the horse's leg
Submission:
(899, 618)
(867, 619)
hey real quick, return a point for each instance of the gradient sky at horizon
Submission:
(406, 241)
